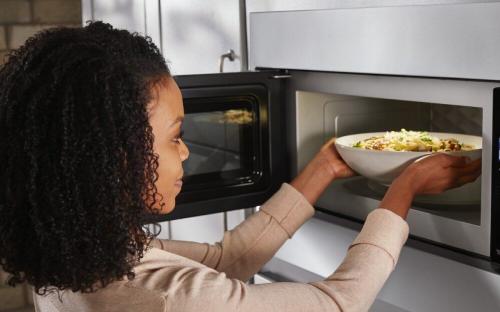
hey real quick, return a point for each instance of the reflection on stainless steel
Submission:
(458, 198)
(469, 212)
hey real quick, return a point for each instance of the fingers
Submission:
(445, 160)
(441, 176)
(474, 167)
(456, 160)
(329, 148)
(331, 141)
(329, 144)
(467, 179)
(347, 172)
(467, 174)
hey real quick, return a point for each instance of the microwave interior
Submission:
(345, 115)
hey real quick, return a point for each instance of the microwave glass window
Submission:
(221, 138)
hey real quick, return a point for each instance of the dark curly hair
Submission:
(77, 167)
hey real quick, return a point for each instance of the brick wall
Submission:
(20, 19)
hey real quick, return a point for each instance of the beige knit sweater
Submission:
(186, 276)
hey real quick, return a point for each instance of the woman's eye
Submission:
(179, 137)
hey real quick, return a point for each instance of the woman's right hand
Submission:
(438, 173)
(429, 175)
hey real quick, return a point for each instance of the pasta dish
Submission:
(412, 141)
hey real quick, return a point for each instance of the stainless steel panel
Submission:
(459, 41)
(362, 115)
(423, 280)
(294, 5)
(454, 119)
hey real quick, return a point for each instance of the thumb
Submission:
(459, 161)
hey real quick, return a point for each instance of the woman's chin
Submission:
(167, 208)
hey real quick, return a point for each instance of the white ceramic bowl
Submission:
(385, 166)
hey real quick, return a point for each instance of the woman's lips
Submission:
(178, 183)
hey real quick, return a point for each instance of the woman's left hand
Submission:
(334, 164)
(326, 166)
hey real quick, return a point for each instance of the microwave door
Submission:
(234, 130)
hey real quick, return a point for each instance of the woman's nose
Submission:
(184, 151)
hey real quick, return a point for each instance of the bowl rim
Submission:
(405, 152)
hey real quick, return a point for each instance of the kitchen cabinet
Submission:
(191, 34)
(422, 281)
(194, 34)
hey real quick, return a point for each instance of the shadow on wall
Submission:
(124, 14)
(192, 36)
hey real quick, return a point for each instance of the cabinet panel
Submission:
(204, 229)
(196, 33)
(421, 281)
(126, 14)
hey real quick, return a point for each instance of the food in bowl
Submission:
(384, 166)
(412, 141)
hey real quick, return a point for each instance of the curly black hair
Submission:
(77, 167)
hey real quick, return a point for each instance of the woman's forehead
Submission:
(167, 102)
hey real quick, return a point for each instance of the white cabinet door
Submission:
(202, 229)
(260, 279)
(196, 33)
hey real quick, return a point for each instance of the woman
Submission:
(91, 149)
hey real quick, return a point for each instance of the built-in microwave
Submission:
(234, 132)
(320, 74)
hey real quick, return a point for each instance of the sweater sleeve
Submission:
(352, 287)
(245, 249)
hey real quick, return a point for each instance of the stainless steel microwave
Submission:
(337, 72)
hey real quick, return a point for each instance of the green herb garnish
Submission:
(426, 139)
(358, 144)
